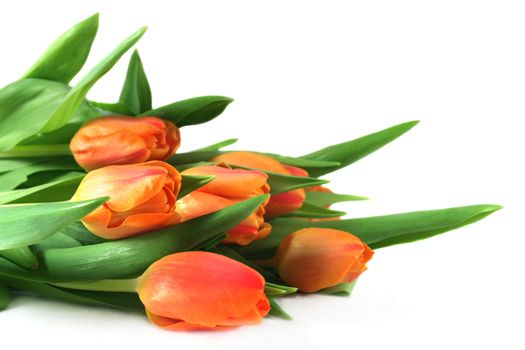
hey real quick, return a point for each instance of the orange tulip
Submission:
(124, 140)
(281, 203)
(142, 198)
(228, 187)
(316, 258)
(201, 290)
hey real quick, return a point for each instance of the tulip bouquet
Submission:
(98, 207)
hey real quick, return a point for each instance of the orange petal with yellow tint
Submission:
(316, 258)
(177, 289)
(251, 160)
(231, 182)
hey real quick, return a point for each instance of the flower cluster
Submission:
(110, 213)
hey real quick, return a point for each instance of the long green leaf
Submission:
(192, 111)
(323, 199)
(14, 164)
(277, 311)
(341, 290)
(66, 56)
(58, 240)
(12, 179)
(27, 105)
(130, 257)
(123, 301)
(22, 256)
(312, 211)
(376, 231)
(5, 296)
(283, 183)
(75, 97)
(81, 234)
(44, 192)
(351, 151)
(26, 224)
(136, 93)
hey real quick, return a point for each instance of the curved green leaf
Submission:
(376, 231)
(341, 290)
(81, 234)
(66, 56)
(192, 111)
(131, 257)
(323, 199)
(74, 98)
(136, 93)
(26, 224)
(351, 151)
(5, 296)
(192, 182)
(22, 256)
(312, 211)
(11, 180)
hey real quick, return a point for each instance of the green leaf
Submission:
(22, 256)
(324, 199)
(123, 301)
(232, 254)
(5, 296)
(131, 257)
(115, 108)
(273, 289)
(44, 192)
(66, 56)
(283, 183)
(351, 151)
(136, 93)
(303, 162)
(277, 311)
(58, 240)
(27, 105)
(376, 231)
(192, 111)
(13, 164)
(14, 178)
(81, 234)
(341, 290)
(217, 146)
(26, 224)
(312, 211)
(192, 182)
(75, 97)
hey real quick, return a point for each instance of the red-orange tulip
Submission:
(316, 258)
(228, 187)
(202, 290)
(142, 198)
(281, 203)
(124, 140)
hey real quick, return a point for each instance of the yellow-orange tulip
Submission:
(202, 290)
(228, 187)
(142, 198)
(281, 203)
(316, 258)
(124, 140)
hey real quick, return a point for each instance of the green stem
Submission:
(37, 151)
(128, 285)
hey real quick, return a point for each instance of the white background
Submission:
(307, 74)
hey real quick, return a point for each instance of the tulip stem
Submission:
(37, 151)
(127, 286)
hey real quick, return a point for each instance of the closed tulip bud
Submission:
(124, 140)
(201, 290)
(312, 259)
(142, 198)
(228, 187)
(281, 203)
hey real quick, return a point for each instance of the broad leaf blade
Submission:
(351, 151)
(131, 257)
(192, 111)
(376, 231)
(136, 93)
(75, 97)
(26, 224)
(66, 56)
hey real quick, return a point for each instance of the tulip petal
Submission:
(231, 182)
(285, 203)
(251, 160)
(178, 287)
